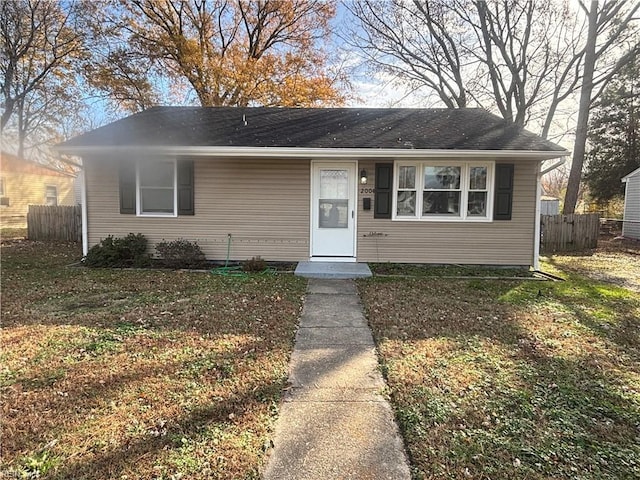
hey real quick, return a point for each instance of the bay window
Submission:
(443, 190)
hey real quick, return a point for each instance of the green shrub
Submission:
(180, 254)
(114, 252)
(256, 264)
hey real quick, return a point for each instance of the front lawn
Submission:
(125, 374)
(511, 379)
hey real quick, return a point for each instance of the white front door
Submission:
(333, 209)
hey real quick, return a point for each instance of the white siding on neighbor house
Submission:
(549, 206)
(631, 224)
(505, 242)
(265, 205)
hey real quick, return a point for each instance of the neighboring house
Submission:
(369, 185)
(631, 219)
(549, 205)
(24, 183)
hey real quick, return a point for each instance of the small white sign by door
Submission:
(333, 209)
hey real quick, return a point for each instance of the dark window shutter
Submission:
(185, 188)
(384, 190)
(127, 173)
(504, 191)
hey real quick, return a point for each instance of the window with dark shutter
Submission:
(504, 192)
(383, 191)
(127, 174)
(185, 188)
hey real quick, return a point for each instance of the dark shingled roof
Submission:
(375, 128)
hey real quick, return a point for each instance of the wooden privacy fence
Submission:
(562, 233)
(61, 223)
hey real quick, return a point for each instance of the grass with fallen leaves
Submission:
(115, 374)
(615, 261)
(511, 379)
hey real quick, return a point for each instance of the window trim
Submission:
(464, 190)
(139, 212)
(4, 198)
(47, 186)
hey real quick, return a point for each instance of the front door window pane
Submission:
(334, 184)
(334, 213)
(333, 205)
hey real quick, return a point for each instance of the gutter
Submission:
(303, 152)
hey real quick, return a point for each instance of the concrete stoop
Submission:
(334, 270)
(334, 423)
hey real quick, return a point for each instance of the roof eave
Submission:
(632, 174)
(299, 152)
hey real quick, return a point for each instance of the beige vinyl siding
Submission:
(505, 242)
(631, 224)
(265, 203)
(262, 203)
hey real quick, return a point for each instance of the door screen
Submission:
(333, 204)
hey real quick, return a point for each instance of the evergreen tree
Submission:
(614, 135)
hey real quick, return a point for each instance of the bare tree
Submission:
(422, 43)
(501, 54)
(613, 22)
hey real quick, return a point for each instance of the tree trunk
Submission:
(579, 147)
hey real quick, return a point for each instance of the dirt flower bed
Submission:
(505, 379)
(114, 374)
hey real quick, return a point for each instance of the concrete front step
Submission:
(336, 270)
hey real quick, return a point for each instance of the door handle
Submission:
(352, 214)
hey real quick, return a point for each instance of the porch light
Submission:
(363, 177)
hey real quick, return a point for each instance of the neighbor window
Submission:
(443, 191)
(51, 195)
(157, 187)
(4, 200)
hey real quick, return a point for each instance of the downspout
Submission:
(536, 234)
(85, 227)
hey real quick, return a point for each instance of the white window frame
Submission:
(464, 191)
(139, 211)
(47, 196)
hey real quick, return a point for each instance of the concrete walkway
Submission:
(334, 423)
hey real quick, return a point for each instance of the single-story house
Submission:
(24, 182)
(631, 218)
(444, 186)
